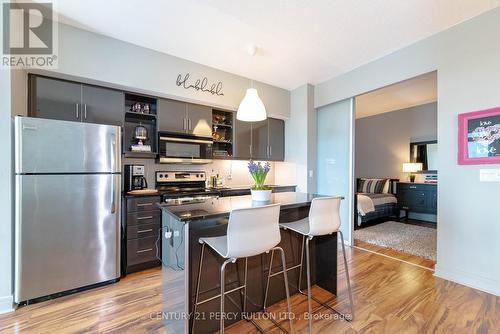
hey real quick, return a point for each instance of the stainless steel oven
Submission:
(184, 149)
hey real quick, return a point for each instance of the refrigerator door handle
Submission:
(113, 195)
(113, 161)
(113, 152)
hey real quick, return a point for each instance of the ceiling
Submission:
(409, 93)
(297, 41)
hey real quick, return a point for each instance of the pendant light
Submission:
(251, 108)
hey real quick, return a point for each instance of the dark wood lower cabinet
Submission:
(141, 223)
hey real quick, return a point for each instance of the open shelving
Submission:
(134, 119)
(222, 133)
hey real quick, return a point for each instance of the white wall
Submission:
(300, 142)
(94, 58)
(467, 58)
(6, 247)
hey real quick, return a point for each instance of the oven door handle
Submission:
(200, 141)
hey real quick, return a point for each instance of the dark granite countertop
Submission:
(222, 206)
(248, 187)
(221, 190)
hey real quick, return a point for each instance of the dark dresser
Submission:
(141, 221)
(417, 197)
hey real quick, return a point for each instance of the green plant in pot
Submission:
(259, 171)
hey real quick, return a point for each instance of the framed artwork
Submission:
(479, 137)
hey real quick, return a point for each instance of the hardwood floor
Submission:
(390, 296)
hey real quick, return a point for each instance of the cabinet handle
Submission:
(144, 204)
(144, 250)
(144, 231)
(144, 218)
(85, 111)
(413, 187)
(270, 150)
(184, 124)
(189, 124)
(77, 111)
(250, 150)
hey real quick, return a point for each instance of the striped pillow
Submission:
(374, 186)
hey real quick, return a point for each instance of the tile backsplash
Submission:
(233, 172)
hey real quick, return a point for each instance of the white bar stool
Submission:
(324, 219)
(250, 232)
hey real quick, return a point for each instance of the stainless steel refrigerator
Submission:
(67, 206)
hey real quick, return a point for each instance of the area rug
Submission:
(410, 239)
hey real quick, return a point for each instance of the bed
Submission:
(375, 200)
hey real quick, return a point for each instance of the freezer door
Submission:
(53, 146)
(67, 232)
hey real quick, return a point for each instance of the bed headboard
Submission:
(392, 183)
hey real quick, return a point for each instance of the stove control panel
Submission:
(165, 177)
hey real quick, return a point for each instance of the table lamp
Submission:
(411, 168)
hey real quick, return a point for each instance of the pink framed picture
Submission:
(479, 137)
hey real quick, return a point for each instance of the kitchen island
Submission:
(183, 225)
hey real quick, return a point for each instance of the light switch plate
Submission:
(489, 175)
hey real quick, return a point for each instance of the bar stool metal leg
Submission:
(301, 264)
(268, 279)
(200, 266)
(287, 291)
(222, 294)
(283, 271)
(245, 289)
(308, 269)
(347, 276)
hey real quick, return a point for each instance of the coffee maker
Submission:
(134, 178)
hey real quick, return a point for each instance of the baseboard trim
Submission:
(470, 280)
(6, 304)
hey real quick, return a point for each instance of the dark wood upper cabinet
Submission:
(264, 140)
(172, 116)
(260, 140)
(242, 140)
(181, 117)
(199, 120)
(102, 105)
(70, 101)
(55, 99)
(276, 139)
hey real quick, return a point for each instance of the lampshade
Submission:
(412, 167)
(251, 108)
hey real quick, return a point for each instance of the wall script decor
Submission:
(479, 137)
(200, 85)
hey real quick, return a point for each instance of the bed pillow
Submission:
(374, 186)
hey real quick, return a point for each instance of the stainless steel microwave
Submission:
(184, 149)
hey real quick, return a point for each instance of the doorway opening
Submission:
(395, 170)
